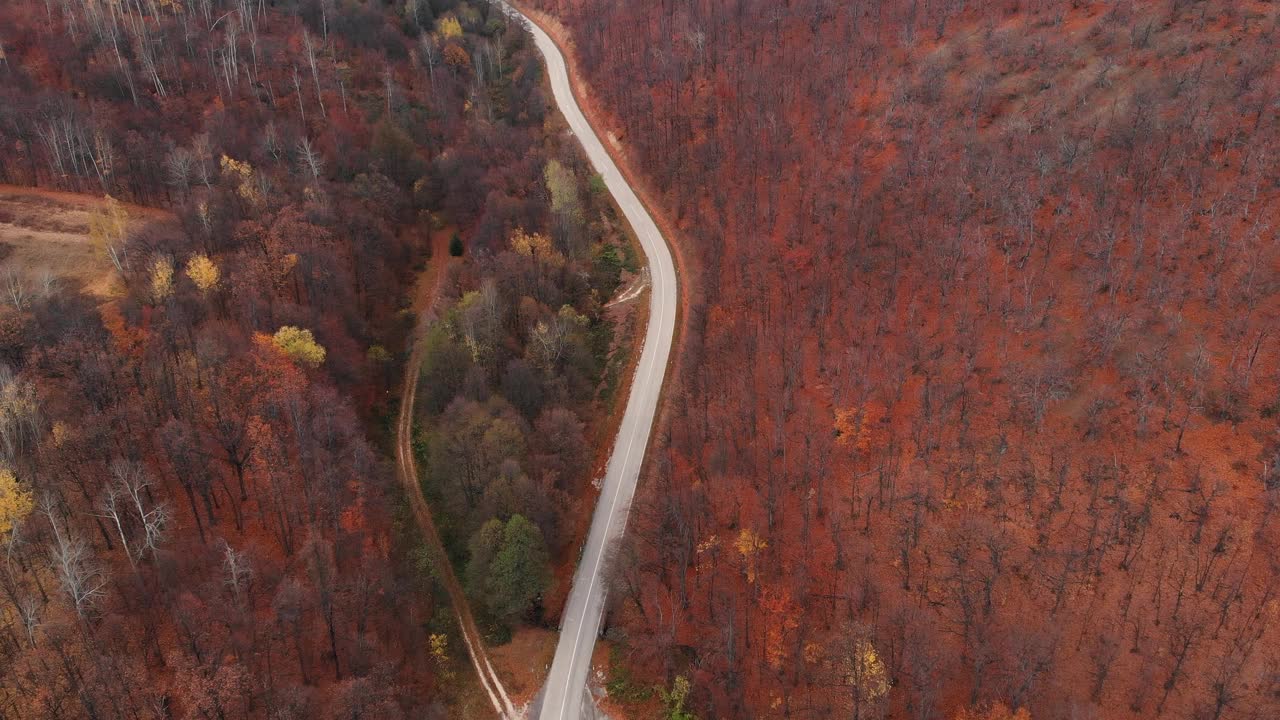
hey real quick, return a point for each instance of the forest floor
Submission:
(425, 295)
(44, 231)
(524, 661)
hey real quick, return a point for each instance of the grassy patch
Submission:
(616, 365)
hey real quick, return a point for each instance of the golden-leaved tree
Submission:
(748, 544)
(299, 345)
(15, 501)
(860, 670)
(203, 272)
(450, 28)
(161, 279)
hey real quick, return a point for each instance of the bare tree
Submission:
(202, 159)
(315, 73)
(179, 166)
(297, 89)
(127, 504)
(29, 607)
(48, 283)
(237, 573)
(20, 415)
(16, 291)
(430, 57)
(73, 562)
(310, 160)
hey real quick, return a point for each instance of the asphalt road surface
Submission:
(565, 696)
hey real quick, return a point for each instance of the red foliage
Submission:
(222, 529)
(982, 345)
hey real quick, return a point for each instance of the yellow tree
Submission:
(748, 544)
(241, 173)
(563, 188)
(161, 279)
(19, 414)
(450, 28)
(203, 272)
(539, 249)
(675, 698)
(535, 245)
(859, 668)
(108, 226)
(440, 654)
(15, 502)
(299, 345)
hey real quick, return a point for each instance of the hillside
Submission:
(212, 219)
(977, 401)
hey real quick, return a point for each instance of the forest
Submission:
(198, 510)
(975, 410)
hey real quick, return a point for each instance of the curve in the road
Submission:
(565, 693)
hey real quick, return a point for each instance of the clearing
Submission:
(44, 236)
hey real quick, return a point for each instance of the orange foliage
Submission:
(781, 617)
(995, 711)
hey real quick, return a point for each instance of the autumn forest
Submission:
(222, 225)
(316, 326)
(976, 408)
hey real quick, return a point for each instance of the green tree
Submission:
(519, 571)
(395, 153)
(502, 440)
(466, 451)
(563, 187)
(482, 548)
(445, 363)
(566, 208)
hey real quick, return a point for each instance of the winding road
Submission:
(565, 695)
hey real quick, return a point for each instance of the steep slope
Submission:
(980, 399)
(199, 514)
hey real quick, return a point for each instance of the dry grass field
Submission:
(44, 238)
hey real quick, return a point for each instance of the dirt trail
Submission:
(424, 301)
